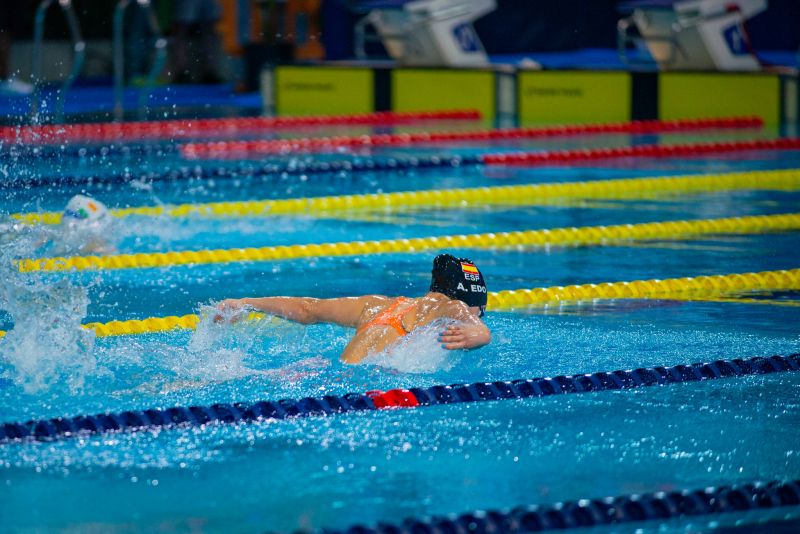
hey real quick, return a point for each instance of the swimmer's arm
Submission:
(342, 311)
(472, 334)
(98, 247)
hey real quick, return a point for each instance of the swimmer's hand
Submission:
(229, 305)
(464, 337)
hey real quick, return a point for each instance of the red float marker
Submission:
(187, 129)
(240, 149)
(394, 398)
(640, 151)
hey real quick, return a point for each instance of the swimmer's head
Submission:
(81, 208)
(459, 279)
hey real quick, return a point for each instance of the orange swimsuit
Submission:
(395, 321)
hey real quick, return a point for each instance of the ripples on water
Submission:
(317, 472)
(51, 367)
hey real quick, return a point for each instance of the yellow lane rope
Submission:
(134, 326)
(513, 194)
(662, 289)
(671, 288)
(567, 307)
(557, 236)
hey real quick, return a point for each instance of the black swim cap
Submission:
(459, 279)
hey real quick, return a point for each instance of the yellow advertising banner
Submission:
(561, 97)
(324, 90)
(438, 89)
(686, 95)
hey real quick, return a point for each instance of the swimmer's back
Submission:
(373, 338)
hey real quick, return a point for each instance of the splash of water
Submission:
(148, 233)
(68, 238)
(232, 348)
(278, 341)
(47, 346)
(419, 352)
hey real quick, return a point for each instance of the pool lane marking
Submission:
(681, 288)
(556, 236)
(335, 169)
(243, 412)
(230, 148)
(238, 149)
(677, 150)
(567, 306)
(671, 288)
(768, 499)
(528, 194)
(183, 128)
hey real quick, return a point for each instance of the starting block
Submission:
(693, 34)
(426, 32)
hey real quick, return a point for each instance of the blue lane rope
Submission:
(59, 151)
(264, 170)
(596, 512)
(62, 427)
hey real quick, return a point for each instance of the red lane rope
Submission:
(647, 151)
(249, 148)
(182, 129)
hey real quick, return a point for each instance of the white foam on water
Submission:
(47, 347)
(68, 238)
(234, 348)
(419, 352)
(231, 342)
(148, 233)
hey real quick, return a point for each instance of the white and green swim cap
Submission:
(83, 208)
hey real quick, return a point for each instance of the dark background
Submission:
(517, 27)
(520, 26)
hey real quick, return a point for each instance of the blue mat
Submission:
(608, 59)
(98, 99)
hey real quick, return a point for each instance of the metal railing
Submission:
(119, 59)
(79, 48)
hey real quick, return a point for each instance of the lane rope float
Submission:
(266, 171)
(120, 148)
(177, 129)
(283, 146)
(709, 501)
(657, 289)
(282, 169)
(246, 148)
(556, 236)
(640, 151)
(681, 288)
(441, 198)
(244, 412)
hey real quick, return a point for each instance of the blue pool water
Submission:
(386, 466)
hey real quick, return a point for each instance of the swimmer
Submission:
(457, 292)
(84, 229)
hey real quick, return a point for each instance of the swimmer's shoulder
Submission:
(450, 308)
(428, 309)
